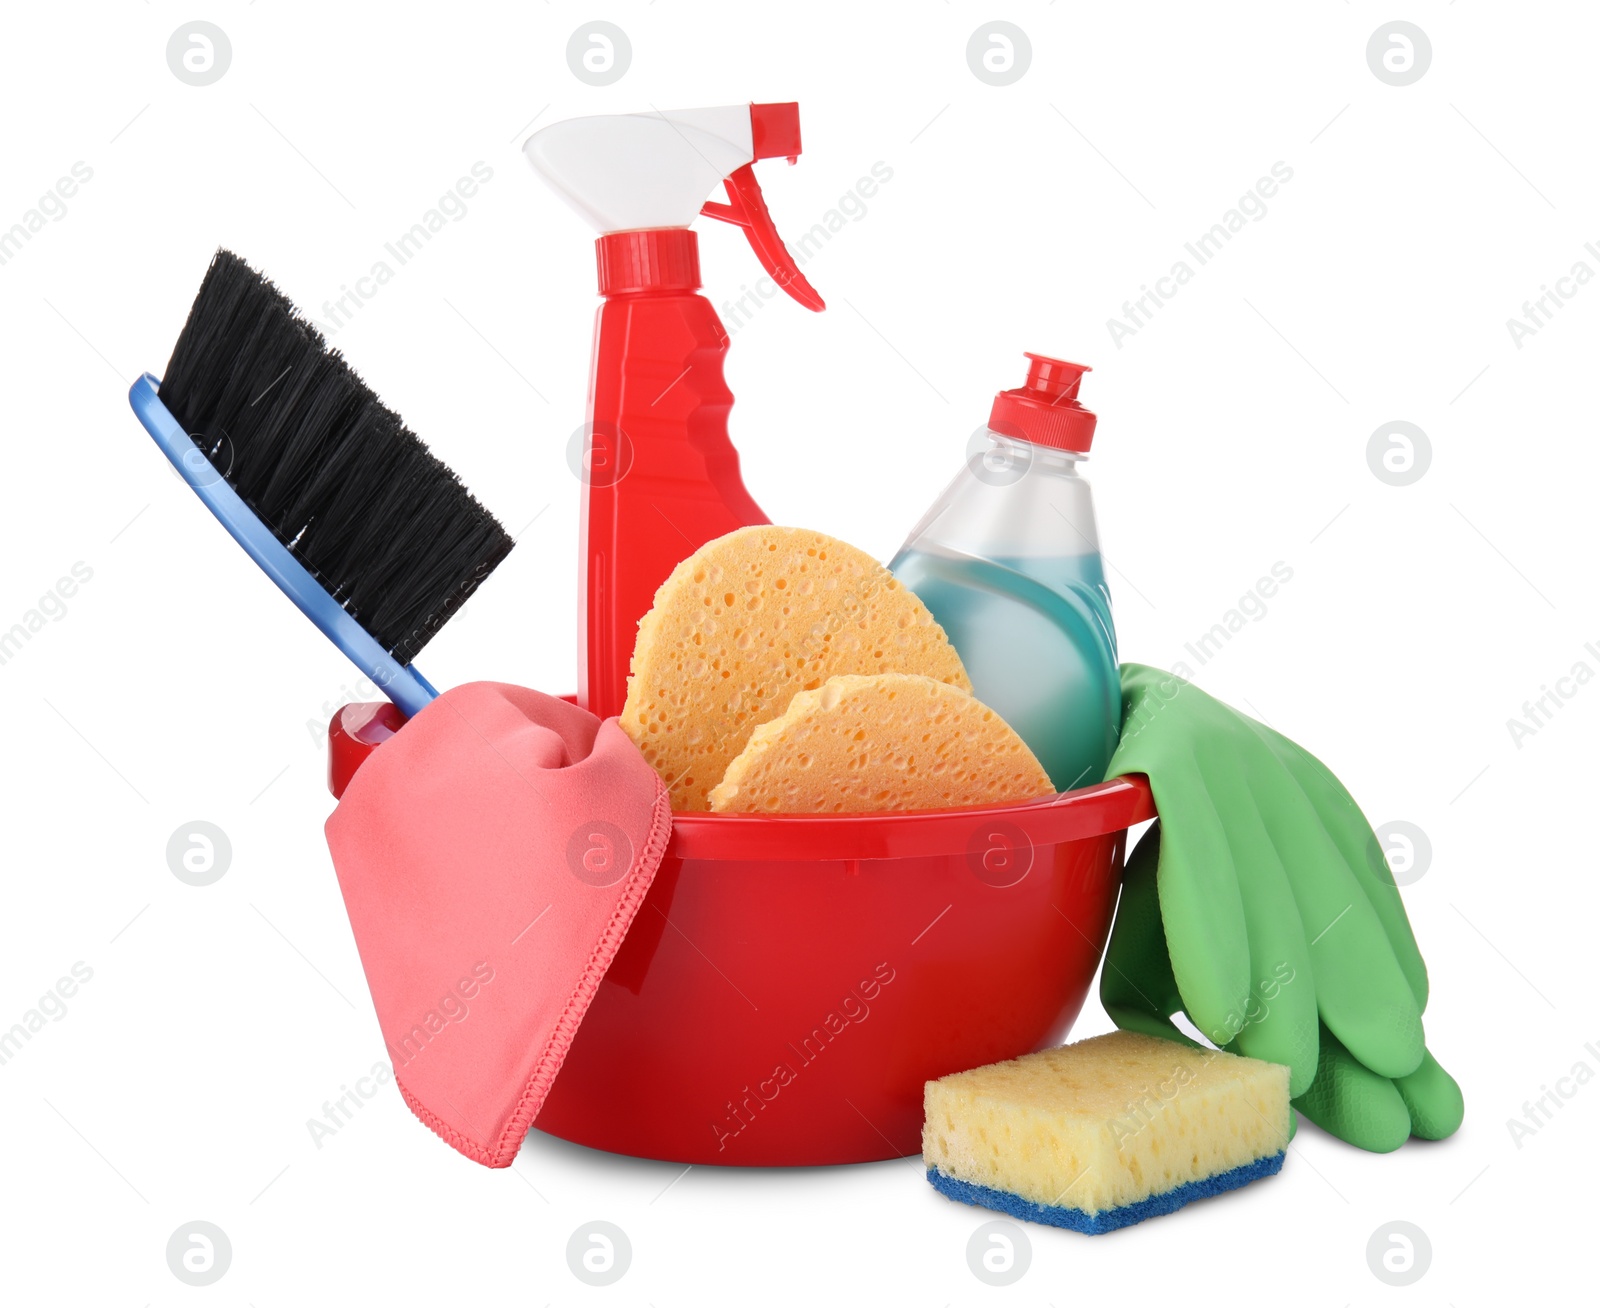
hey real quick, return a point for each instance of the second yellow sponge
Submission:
(1105, 1132)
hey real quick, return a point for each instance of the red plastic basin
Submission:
(790, 982)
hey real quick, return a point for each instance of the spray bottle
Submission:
(661, 476)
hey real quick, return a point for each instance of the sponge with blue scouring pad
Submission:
(1106, 1132)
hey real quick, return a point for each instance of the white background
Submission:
(1233, 435)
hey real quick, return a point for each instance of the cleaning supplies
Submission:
(492, 856)
(748, 620)
(374, 539)
(1104, 1133)
(1008, 561)
(661, 476)
(888, 743)
(1262, 906)
(677, 1059)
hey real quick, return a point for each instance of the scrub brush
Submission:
(373, 538)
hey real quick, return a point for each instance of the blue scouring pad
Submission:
(1111, 1219)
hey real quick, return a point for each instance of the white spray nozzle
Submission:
(625, 172)
(644, 172)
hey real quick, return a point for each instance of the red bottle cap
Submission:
(1046, 410)
(653, 259)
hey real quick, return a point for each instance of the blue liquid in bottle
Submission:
(1008, 562)
(1038, 642)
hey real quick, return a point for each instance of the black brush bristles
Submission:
(389, 531)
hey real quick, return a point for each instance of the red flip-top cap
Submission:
(1046, 410)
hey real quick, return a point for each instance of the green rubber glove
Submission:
(1262, 907)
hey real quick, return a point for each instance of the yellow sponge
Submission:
(745, 623)
(1106, 1132)
(893, 741)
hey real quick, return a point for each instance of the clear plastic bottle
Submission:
(1008, 562)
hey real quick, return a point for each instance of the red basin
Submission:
(790, 982)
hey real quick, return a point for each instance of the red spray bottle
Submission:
(661, 476)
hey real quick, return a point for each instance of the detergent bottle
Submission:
(661, 477)
(1008, 562)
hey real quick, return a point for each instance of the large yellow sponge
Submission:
(1105, 1132)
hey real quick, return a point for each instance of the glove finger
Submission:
(1136, 985)
(1279, 1021)
(1358, 843)
(1202, 913)
(1353, 1102)
(1433, 1100)
(1362, 994)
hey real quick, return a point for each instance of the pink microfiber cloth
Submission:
(492, 855)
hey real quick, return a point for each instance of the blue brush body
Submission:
(403, 684)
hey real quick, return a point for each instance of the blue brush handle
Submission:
(407, 687)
